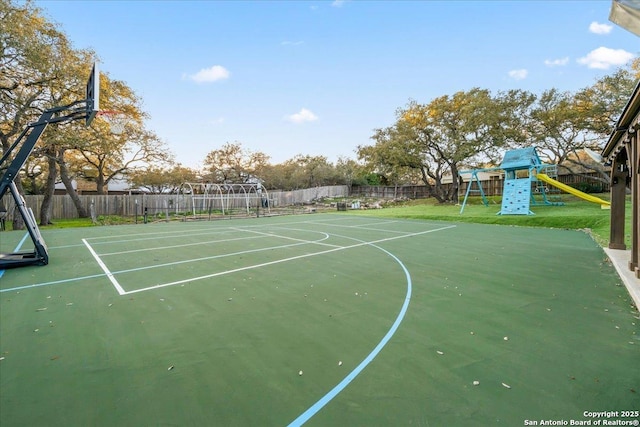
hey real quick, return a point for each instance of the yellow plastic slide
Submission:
(567, 189)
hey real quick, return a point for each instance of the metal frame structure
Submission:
(206, 196)
(23, 146)
(475, 180)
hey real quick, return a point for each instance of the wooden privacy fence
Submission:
(491, 187)
(130, 205)
(134, 204)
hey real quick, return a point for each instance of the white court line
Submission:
(132, 270)
(221, 231)
(279, 236)
(104, 268)
(155, 233)
(264, 264)
(362, 227)
(55, 282)
(210, 242)
(332, 220)
(107, 240)
(153, 237)
(366, 226)
(97, 243)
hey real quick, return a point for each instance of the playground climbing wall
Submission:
(516, 197)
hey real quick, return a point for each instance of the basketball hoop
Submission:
(116, 120)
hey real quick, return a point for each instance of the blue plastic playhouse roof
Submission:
(522, 158)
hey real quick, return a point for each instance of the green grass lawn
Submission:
(575, 214)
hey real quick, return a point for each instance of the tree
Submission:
(29, 68)
(435, 139)
(311, 171)
(97, 154)
(68, 88)
(232, 164)
(33, 173)
(108, 158)
(565, 125)
(350, 172)
(389, 161)
(558, 128)
(28, 43)
(277, 177)
(40, 70)
(160, 180)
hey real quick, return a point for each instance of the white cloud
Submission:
(598, 28)
(337, 3)
(217, 121)
(302, 116)
(556, 62)
(518, 74)
(290, 43)
(212, 74)
(603, 58)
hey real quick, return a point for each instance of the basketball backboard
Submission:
(93, 94)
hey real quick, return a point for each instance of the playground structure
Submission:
(202, 199)
(525, 177)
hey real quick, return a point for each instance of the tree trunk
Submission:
(100, 183)
(50, 186)
(68, 184)
(455, 184)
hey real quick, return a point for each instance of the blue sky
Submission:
(317, 77)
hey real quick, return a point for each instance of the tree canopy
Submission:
(40, 69)
(434, 140)
(428, 143)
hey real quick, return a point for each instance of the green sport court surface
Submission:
(319, 319)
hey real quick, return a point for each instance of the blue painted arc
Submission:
(306, 415)
(17, 249)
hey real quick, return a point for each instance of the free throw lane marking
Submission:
(265, 264)
(104, 268)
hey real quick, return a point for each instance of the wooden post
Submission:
(634, 263)
(619, 174)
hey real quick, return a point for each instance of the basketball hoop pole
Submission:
(37, 129)
(77, 110)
